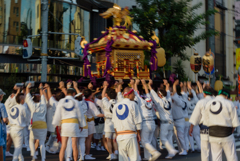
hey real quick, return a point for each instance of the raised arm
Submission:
(132, 83)
(49, 93)
(137, 81)
(105, 85)
(62, 87)
(200, 88)
(75, 86)
(175, 86)
(150, 84)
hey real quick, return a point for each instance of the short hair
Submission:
(18, 98)
(59, 95)
(224, 92)
(179, 90)
(71, 91)
(111, 93)
(163, 91)
(87, 93)
(14, 91)
(208, 90)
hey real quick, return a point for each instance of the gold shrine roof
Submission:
(121, 40)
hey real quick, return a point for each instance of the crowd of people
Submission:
(71, 120)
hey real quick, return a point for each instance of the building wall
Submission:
(124, 3)
(228, 37)
(2, 19)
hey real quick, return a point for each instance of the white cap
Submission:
(79, 94)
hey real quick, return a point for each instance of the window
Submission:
(17, 11)
(37, 11)
(17, 27)
(0, 8)
(0, 16)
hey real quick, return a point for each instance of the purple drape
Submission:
(87, 70)
(153, 60)
(108, 49)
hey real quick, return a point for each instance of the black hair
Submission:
(208, 90)
(111, 93)
(87, 93)
(14, 91)
(179, 90)
(18, 100)
(59, 95)
(224, 92)
(71, 91)
(163, 91)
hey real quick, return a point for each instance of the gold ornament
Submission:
(195, 63)
(155, 38)
(218, 85)
(161, 57)
(208, 62)
(83, 42)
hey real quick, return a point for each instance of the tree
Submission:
(176, 22)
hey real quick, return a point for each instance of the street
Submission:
(101, 155)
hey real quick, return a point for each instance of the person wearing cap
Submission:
(148, 123)
(163, 104)
(198, 119)
(91, 113)
(4, 121)
(69, 117)
(127, 122)
(193, 99)
(108, 101)
(38, 126)
(18, 118)
(222, 119)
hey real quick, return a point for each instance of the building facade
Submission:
(222, 45)
(21, 18)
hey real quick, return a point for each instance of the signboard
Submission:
(237, 58)
(237, 10)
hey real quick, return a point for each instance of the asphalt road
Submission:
(101, 156)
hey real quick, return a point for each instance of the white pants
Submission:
(180, 126)
(187, 138)
(128, 148)
(26, 136)
(41, 144)
(147, 133)
(195, 136)
(17, 137)
(205, 150)
(166, 135)
(81, 146)
(228, 148)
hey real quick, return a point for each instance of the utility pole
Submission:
(44, 10)
(211, 26)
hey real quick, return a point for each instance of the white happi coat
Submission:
(52, 103)
(9, 103)
(38, 115)
(126, 116)
(221, 112)
(108, 109)
(198, 116)
(19, 116)
(83, 106)
(163, 106)
(192, 103)
(178, 107)
(70, 115)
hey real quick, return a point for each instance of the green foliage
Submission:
(176, 22)
(9, 84)
(178, 69)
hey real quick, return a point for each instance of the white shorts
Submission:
(97, 136)
(91, 129)
(110, 135)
